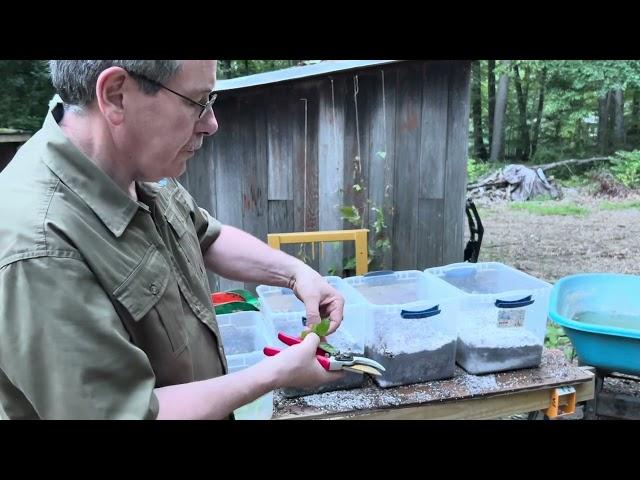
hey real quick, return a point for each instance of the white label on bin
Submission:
(511, 317)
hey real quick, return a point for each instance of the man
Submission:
(104, 300)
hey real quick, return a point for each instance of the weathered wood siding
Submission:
(287, 155)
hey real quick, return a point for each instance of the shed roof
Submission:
(295, 73)
(10, 135)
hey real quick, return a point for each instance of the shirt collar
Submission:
(107, 200)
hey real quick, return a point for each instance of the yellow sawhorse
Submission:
(359, 236)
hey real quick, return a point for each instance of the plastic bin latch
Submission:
(563, 402)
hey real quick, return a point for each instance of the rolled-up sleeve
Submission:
(206, 235)
(63, 346)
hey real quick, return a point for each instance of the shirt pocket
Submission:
(151, 299)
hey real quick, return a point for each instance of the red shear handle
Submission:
(270, 351)
(288, 339)
(324, 361)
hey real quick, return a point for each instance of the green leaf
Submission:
(382, 154)
(319, 329)
(330, 349)
(350, 264)
(357, 187)
(350, 214)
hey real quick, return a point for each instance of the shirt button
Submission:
(153, 288)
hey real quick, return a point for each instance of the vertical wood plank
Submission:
(330, 168)
(434, 130)
(430, 233)
(279, 146)
(457, 154)
(381, 154)
(408, 126)
(227, 157)
(253, 139)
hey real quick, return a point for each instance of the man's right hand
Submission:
(298, 367)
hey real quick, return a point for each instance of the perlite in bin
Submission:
(496, 339)
(244, 335)
(414, 346)
(285, 313)
(502, 316)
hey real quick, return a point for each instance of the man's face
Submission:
(163, 130)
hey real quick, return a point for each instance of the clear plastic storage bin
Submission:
(411, 325)
(244, 335)
(502, 315)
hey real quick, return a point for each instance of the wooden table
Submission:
(462, 397)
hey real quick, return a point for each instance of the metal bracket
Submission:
(568, 406)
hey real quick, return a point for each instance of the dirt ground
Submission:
(550, 247)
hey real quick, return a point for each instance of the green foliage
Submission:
(238, 68)
(556, 338)
(25, 94)
(477, 169)
(619, 205)
(626, 168)
(569, 126)
(574, 181)
(377, 226)
(546, 208)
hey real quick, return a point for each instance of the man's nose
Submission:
(208, 124)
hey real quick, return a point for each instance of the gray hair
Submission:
(75, 80)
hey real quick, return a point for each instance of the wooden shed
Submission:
(10, 141)
(296, 145)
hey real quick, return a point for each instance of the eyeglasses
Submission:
(203, 106)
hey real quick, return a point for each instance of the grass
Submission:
(544, 208)
(556, 338)
(620, 205)
(575, 181)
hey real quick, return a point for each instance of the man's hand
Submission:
(298, 367)
(321, 300)
(239, 256)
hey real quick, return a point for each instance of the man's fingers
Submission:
(311, 341)
(313, 315)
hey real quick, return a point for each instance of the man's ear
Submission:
(110, 91)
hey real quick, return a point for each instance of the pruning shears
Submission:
(335, 361)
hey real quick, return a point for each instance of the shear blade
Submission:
(362, 369)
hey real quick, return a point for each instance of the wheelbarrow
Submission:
(601, 315)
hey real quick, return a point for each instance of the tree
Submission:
(480, 150)
(497, 143)
(522, 151)
(536, 129)
(25, 94)
(491, 94)
(618, 119)
(238, 68)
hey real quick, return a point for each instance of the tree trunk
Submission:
(491, 84)
(480, 151)
(603, 123)
(618, 119)
(536, 128)
(497, 141)
(522, 152)
(633, 126)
